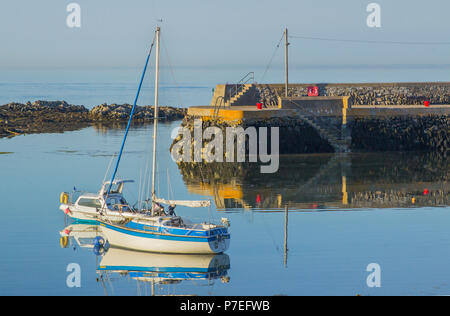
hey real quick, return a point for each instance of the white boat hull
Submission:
(128, 260)
(153, 242)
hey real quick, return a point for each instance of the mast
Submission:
(286, 211)
(286, 44)
(155, 114)
(129, 120)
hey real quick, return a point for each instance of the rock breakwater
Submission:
(408, 93)
(59, 116)
(406, 133)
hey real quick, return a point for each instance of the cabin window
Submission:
(116, 188)
(112, 201)
(89, 203)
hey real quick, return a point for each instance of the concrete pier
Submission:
(395, 113)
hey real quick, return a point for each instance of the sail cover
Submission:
(204, 203)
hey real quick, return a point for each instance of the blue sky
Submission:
(219, 33)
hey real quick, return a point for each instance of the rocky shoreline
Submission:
(59, 116)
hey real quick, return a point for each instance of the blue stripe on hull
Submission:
(180, 275)
(159, 269)
(151, 235)
(85, 221)
(177, 231)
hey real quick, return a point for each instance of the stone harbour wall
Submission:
(428, 133)
(408, 93)
(295, 136)
(409, 133)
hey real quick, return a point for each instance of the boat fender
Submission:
(100, 245)
(64, 198)
(67, 211)
(98, 250)
(64, 241)
(99, 241)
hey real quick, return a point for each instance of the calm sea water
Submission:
(330, 241)
(345, 212)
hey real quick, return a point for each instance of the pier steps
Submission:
(334, 136)
(242, 97)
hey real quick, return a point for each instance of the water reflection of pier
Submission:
(379, 180)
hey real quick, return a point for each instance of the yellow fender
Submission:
(64, 241)
(64, 198)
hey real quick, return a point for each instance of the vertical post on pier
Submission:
(286, 44)
(285, 234)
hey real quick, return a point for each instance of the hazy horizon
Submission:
(200, 33)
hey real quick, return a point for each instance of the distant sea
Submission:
(185, 86)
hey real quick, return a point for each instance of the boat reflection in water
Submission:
(325, 181)
(155, 269)
(149, 270)
(80, 234)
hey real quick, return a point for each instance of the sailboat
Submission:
(146, 268)
(154, 230)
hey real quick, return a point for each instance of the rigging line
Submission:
(177, 88)
(157, 173)
(109, 166)
(140, 187)
(271, 59)
(148, 196)
(146, 182)
(367, 41)
(269, 231)
(146, 193)
(131, 116)
(169, 186)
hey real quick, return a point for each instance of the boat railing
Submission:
(74, 195)
(199, 223)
